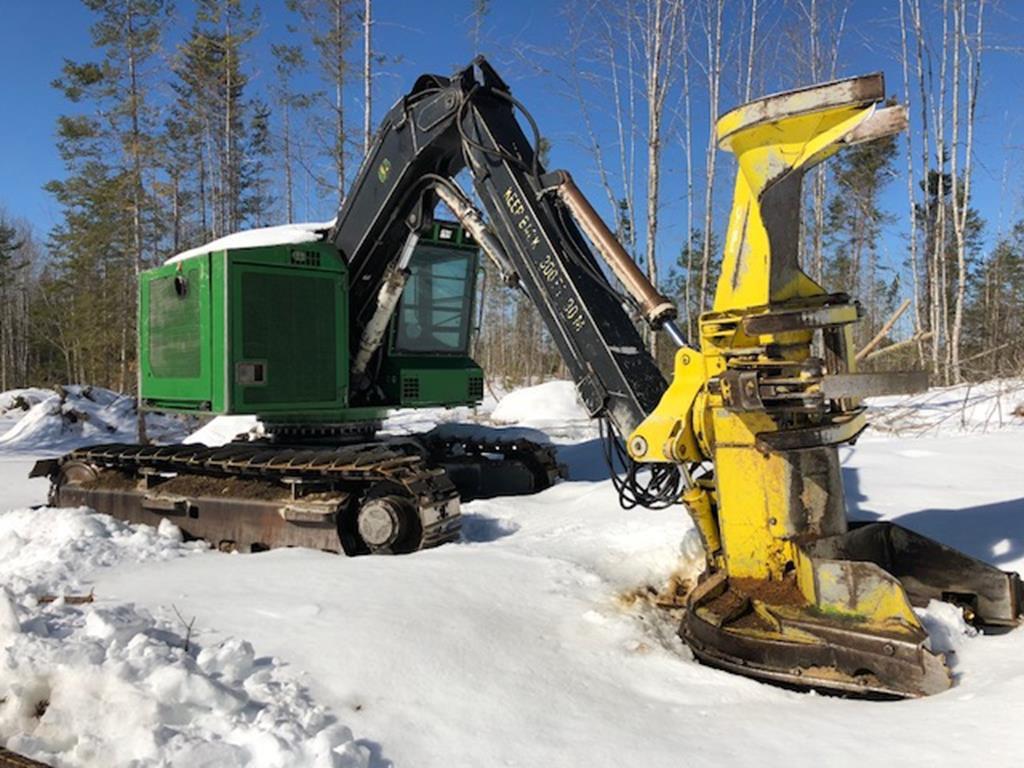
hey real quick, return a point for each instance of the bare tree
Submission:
(688, 155)
(824, 36)
(712, 17)
(661, 39)
(915, 276)
(329, 23)
(939, 307)
(750, 51)
(367, 74)
(961, 200)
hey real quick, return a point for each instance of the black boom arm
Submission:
(468, 121)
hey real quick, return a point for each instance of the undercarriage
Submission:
(389, 496)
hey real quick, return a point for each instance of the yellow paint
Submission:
(760, 507)
(668, 432)
(766, 153)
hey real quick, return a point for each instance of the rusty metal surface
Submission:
(834, 432)
(251, 496)
(10, 759)
(243, 524)
(887, 121)
(831, 658)
(255, 496)
(928, 570)
(656, 307)
(840, 311)
(865, 89)
(860, 385)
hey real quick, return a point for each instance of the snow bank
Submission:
(550, 404)
(107, 683)
(71, 416)
(44, 551)
(284, 234)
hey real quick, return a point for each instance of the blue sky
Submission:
(434, 36)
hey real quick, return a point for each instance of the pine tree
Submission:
(11, 263)
(853, 226)
(684, 279)
(210, 88)
(10, 244)
(117, 141)
(994, 324)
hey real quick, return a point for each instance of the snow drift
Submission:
(108, 683)
(552, 403)
(20, 400)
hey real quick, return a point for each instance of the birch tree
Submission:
(712, 20)
(662, 43)
(367, 74)
(972, 47)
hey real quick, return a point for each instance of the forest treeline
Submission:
(169, 140)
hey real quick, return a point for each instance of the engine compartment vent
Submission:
(410, 388)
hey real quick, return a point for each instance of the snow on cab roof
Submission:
(284, 234)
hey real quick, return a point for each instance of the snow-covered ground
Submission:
(523, 645)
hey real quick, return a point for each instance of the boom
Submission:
(445, 125)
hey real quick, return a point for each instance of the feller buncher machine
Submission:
(320, 339)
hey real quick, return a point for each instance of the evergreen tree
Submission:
(11, 263)
(994, 324)
(853, 226)
(939, 247)
(684, 280)
(210, 88)
(10, 244)
(108, 155)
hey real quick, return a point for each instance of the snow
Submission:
(15, 402)
(554, 403)
(223, 429)
(531, 642)
(21, 399)
(963, 408)
(108, 683)
(283, 234)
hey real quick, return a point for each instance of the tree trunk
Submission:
(367, 74)
(138, 194)
(339, 104)
(911, 208)
(713, 39)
